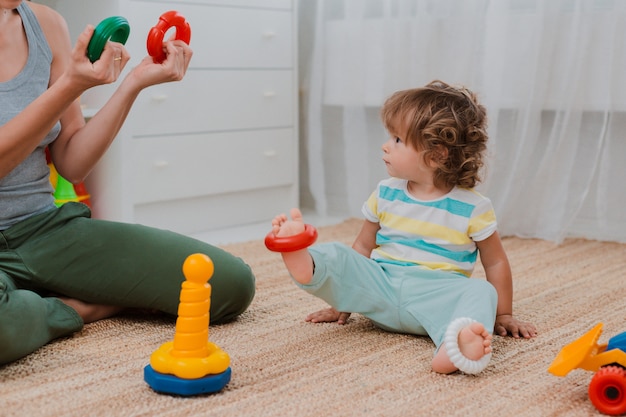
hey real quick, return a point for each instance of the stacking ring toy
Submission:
(291, 243)
(155, 36)
(115, 28)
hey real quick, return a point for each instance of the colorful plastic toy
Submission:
(115, 28)
(64, 191)
(291, 243)
(190, 364)
(607, 389)
(82, 195)
(157, 33)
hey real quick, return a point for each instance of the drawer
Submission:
(207, 101)
(271, 4)
(199, 214)
(221, 37)
(266, 4)
(167, 168)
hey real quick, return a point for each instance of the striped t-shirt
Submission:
(438, 234)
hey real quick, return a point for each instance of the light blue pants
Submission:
(405, 299)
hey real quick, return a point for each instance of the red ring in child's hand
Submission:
(157, 33)
(291, 243)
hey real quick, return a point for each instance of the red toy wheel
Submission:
(291, 243)
(607, 390)
(157, 33)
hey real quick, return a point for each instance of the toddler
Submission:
(409, 268)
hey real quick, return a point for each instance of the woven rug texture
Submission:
(284, 366)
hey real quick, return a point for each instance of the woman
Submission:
(59, 268)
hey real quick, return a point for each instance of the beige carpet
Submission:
(283, 366)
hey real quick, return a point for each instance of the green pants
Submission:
(64, 251)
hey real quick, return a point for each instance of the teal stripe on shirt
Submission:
(456, 207)
(456, 256)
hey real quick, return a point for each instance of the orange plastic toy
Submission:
(190, 364)
(607, 389)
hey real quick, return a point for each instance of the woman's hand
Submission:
(105, 70)
(173, 68)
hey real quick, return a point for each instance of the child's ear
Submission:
(439, 154)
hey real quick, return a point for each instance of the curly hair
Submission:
(446, 122)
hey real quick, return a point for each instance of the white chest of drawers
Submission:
(219, 148)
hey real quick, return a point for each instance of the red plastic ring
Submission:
(157, 33)
(291, 243)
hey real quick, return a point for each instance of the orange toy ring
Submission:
(291, 243)
(157, 33)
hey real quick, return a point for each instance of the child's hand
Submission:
(328, 315)
(506, 324)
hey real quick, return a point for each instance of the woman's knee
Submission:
(232, 291)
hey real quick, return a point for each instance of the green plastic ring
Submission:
(115, 28)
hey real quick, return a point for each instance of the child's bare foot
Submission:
(470, 353)
(91, 312)
(299, 263)
(474, 341)
(283, 227)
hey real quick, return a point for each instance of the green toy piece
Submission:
(64, 192)
(114, 28)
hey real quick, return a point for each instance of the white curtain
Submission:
(552, 74)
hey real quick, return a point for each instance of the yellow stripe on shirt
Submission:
(478, 223)
(418, 227)
(438, 266)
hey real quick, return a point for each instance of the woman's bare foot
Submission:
(474, 343)
(91, 312)
(299, 263)
(328, 315)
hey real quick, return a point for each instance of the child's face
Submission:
(404, 161)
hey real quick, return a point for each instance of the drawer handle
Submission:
(161, 164)
(269, 34)
(159, 97)
(269, 94)
(270, 153)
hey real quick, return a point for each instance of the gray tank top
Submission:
(26, 191)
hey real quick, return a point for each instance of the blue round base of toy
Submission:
(171, 384)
